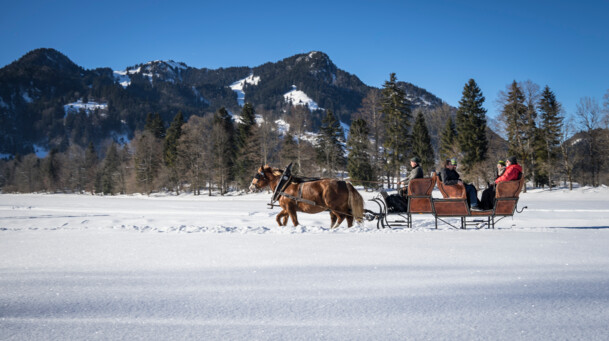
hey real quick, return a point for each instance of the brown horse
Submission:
(338, 197)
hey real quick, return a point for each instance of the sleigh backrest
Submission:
(419, 194)
(452, 191)
(506, 196)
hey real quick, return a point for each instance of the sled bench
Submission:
(454, 204)
(419, 202)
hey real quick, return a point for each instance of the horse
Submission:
(338, 197)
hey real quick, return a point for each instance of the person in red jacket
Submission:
(513, 171)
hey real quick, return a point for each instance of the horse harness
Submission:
(285, 181)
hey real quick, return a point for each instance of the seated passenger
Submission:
(415, 173)
(500, 168)
(449, 176)
(512, 171)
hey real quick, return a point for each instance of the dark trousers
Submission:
(488, 198)
(472, 194)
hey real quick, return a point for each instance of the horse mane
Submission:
(274, 171)
(295, 179)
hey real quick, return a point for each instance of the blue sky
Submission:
(437, 45)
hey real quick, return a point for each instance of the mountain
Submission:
(47, 101)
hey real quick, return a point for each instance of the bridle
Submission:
(260, 176)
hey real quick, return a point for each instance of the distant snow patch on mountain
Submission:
(88, 107)
(123, 78)
(240, 84)
(298, 97)
(40, 151)
(26, 97)
(346, 129)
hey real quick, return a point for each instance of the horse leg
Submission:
(339, 221)
(292, 213)
(333, 218)
(349, 221)
(282, 218)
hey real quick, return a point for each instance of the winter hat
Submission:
(501, 162)
(416, 159)
(512, 160)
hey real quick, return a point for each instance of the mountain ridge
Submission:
(35, 89)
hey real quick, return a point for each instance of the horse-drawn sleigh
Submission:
(452, 204)
(313, 195)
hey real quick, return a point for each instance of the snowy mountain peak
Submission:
(163, 70)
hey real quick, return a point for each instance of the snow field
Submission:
(158, 268)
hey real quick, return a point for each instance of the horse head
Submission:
(263, 178)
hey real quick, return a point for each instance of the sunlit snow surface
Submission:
(199, 268)
(299, 97)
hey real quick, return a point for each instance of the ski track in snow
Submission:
(75, 267)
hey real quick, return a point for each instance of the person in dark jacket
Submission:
(449, 176)
(511, 172)
(415, 173)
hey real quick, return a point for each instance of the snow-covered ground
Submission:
(81, 267)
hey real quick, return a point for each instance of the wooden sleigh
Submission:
(452, 205)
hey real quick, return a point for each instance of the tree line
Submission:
(218, 153)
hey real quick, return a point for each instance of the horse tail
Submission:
(356, 204)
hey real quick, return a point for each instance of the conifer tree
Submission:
(223, 141)
(471, 126)
(244, 127)
(50, 169)
(533, 136)
(170, 151)
(330, 150)
(154, 124)
(359, 163)
(421, 143)
(448, 141)
(246, 146)
(111, 166)
(551, 127)
(170, 146)
(397, 117)
(91, 161)
(514, 115)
